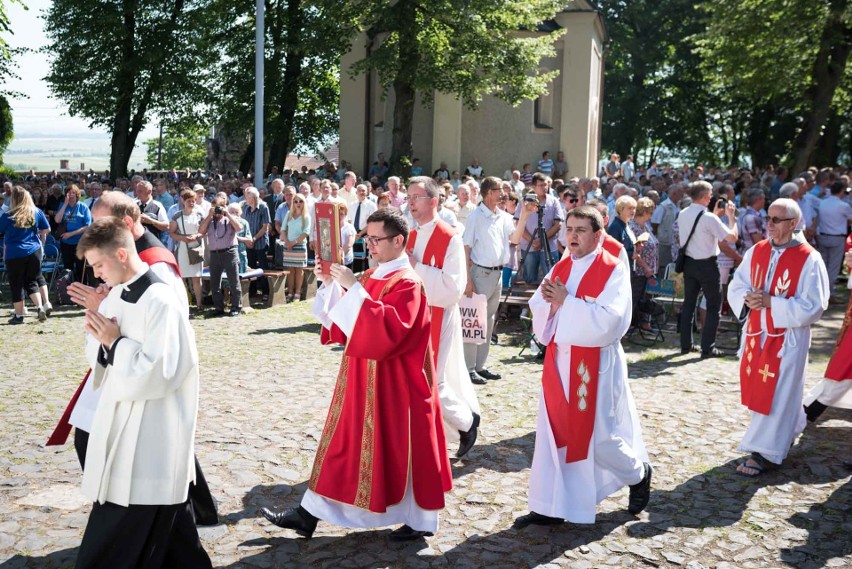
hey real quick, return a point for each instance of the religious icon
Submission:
(328, 240)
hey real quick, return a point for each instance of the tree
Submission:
(118, 63)
(787, 60)
(184, 146)
(471, 48)
(301, 80)
(7, 129)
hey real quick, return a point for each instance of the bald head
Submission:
(121, 206)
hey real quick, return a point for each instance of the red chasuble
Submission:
(60, 433)
(433, 256)
(385, 409)
(573, 423)
(760, 365)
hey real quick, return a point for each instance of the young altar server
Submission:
(139, 461)
(588, 441)
(783, 282)
(382, 458)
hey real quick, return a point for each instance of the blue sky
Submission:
(40, 113)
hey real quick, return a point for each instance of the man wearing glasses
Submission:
(382, 458)
(783, 282)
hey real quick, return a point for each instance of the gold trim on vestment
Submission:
(368, 441)
(331, 422)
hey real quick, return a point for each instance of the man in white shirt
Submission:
(465, 204)
(358, 214)
(833, 226)
(487, 235)
(662, 222)
(153, 213)
(701, 272)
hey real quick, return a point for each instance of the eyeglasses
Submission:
(776, 220)
(412, 198)
(376, 240)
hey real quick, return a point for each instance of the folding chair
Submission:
(51, 263)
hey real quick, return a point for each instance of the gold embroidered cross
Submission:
(766, 373)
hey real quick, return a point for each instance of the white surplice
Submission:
(333, 307)
(772, 435)
(444, 288)
(616, 452)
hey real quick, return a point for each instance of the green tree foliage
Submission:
(118, 63)
(6, 127)
(303, 44)
(471, 48)
(784, 63)
(184, 146)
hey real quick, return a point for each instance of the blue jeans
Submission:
(534, 269)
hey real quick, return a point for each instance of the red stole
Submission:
(63, 428)
(573, 423)
(840, 366)
(433, 256)
(160, 255)
(759, 366)
(612, 245)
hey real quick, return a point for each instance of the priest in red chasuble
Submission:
(783, 282)
(382, 458)
(588, 440)
(835, 390)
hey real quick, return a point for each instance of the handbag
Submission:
(681, 258)
(194, 254)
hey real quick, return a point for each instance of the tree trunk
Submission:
(287, 102)
(828, 149)
(829, 66)
(403, 89)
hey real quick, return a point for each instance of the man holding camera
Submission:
(533, 245)
(221, 229)
(701, 234)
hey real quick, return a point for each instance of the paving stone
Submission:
(259, 425)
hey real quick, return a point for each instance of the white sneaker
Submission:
(48, 308)
(42, 315)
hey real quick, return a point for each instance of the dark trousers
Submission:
(141, 537)
(700, 276)
(70, 260)
(256, 259)
(203, 503)
(24, 276)
(227, 261)
(359, 265)
(638, 284)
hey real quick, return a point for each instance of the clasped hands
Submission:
(554, 291)
(757, 300)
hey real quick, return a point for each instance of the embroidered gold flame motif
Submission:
(583, 391)
(783, 284)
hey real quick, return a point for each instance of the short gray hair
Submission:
(428, 184)
(791, 208)
(788, 190)
(251, 191)
(754, 195)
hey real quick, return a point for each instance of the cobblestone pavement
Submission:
(266, 385)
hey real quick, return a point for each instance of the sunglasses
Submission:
(776, 220)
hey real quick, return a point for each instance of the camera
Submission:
(531, 198)
(219, 210)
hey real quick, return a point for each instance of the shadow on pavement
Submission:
(313, 328)
(507, 455)
(58, 559)
(827, 538)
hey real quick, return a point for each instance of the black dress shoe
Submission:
(489, 375)
(298, 519)
(713, 353)
(468, 438)
(534, 519)
(477, 379)
(406, 533)
(217, 312)
(684, 351)
(640, 493)
(814, 410)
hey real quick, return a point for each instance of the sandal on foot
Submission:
(745, 464)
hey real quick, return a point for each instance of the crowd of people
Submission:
(412, 249)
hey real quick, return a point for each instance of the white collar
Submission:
(384, 269)
(123, 286)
